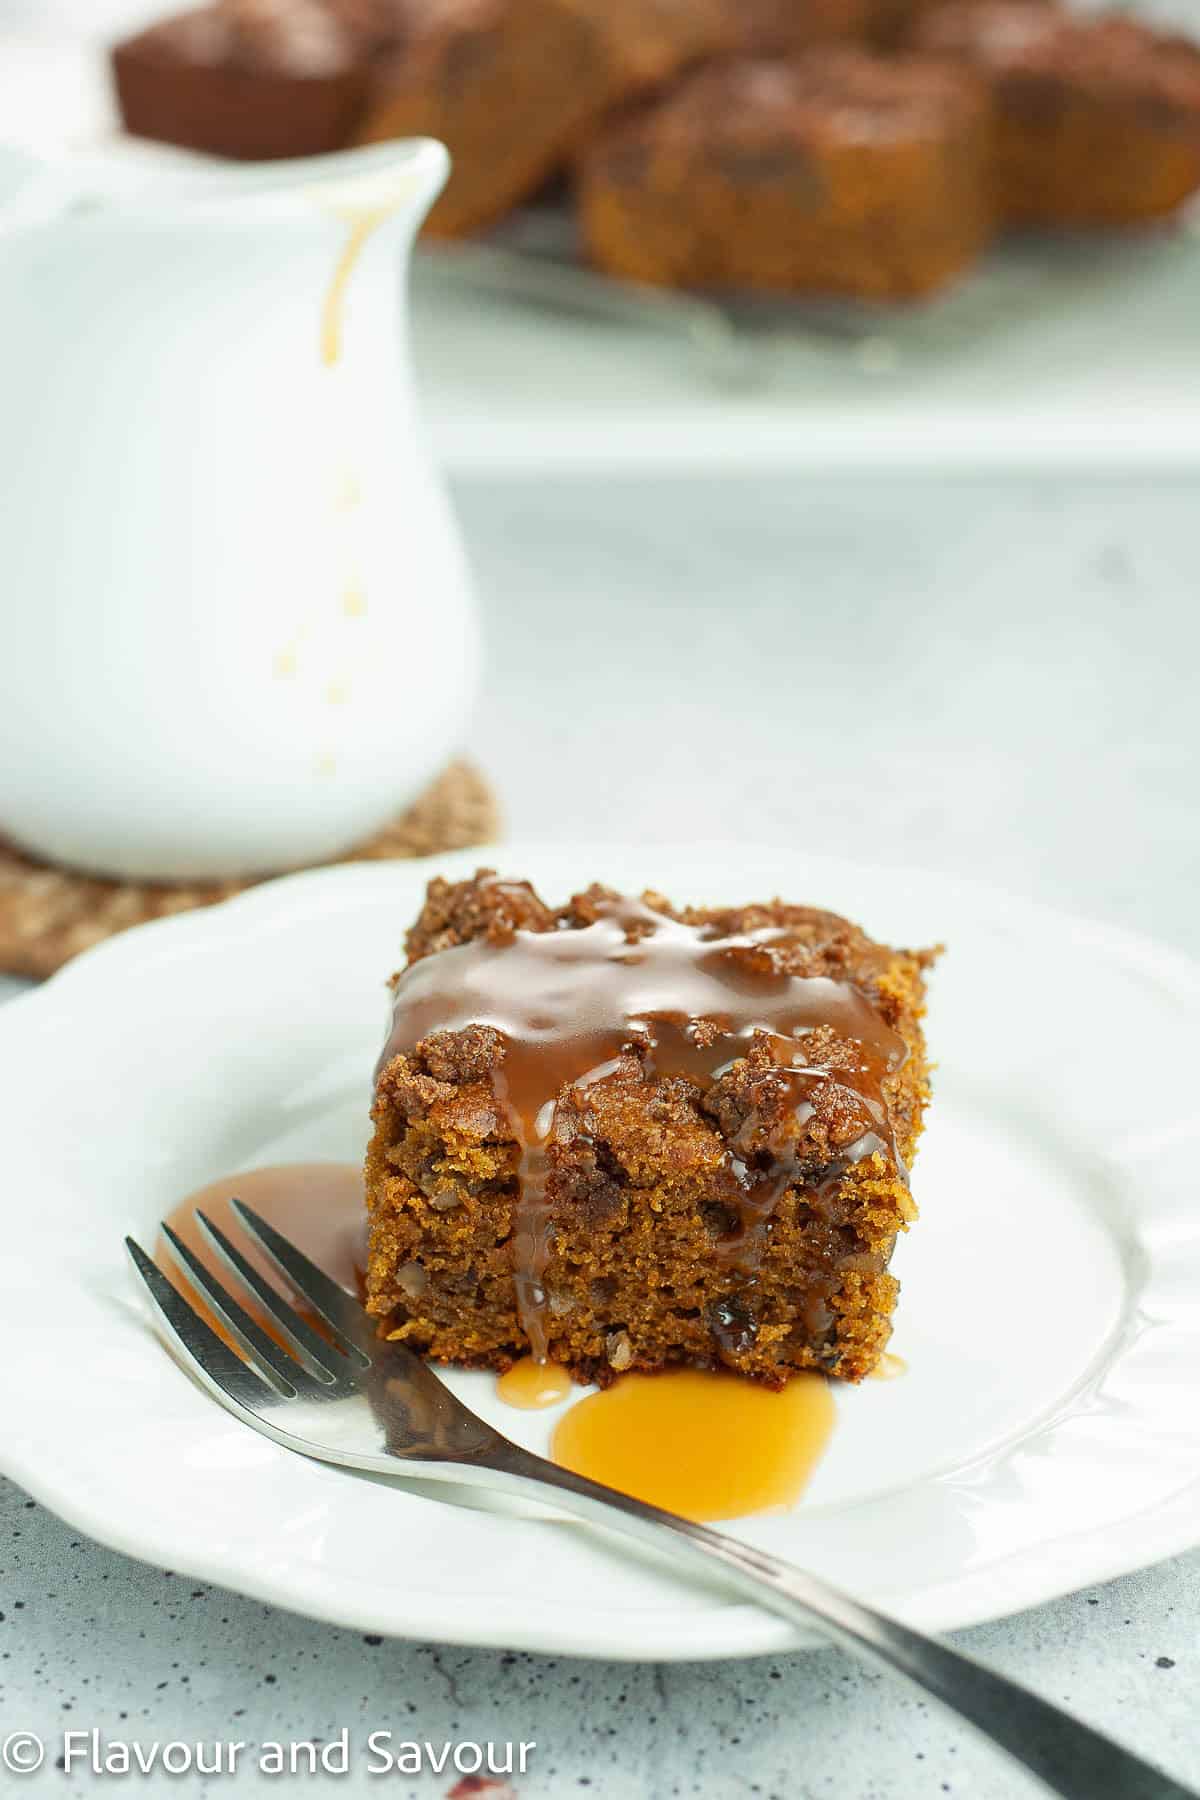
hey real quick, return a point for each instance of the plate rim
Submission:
(1029, 1576)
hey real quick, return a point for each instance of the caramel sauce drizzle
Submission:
(686, 1000)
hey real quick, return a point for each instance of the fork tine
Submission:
(281, 1368)
(202, 1350)
(317, 1355)
(340, 1310)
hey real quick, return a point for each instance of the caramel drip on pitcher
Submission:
(685, 1000)
(333, 311)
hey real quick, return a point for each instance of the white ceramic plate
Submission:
(1045, 1436)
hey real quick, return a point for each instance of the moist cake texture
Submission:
(621, 1134)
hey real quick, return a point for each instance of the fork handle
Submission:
(1072, 1759)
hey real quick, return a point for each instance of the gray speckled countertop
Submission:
(674, 661)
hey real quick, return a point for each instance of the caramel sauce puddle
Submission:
(532, 1386)
(699, 1443)
(319, 1206)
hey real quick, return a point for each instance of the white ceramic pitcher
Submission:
(236, 631)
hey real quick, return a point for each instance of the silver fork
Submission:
(358, 1400)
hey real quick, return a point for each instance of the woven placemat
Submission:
(48, 915)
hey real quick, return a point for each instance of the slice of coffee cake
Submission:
(623, 1135)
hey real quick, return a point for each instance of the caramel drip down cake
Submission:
(620, 1134)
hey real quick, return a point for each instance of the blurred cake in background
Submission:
(1096, 119)
(767, 27)
(244, 80)
(838, 172)
(513, 86)
(812, 146)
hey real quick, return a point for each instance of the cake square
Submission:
(620, 1134)
(511, 86)
(1095, 116)
(245, 81)
(835, 171)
